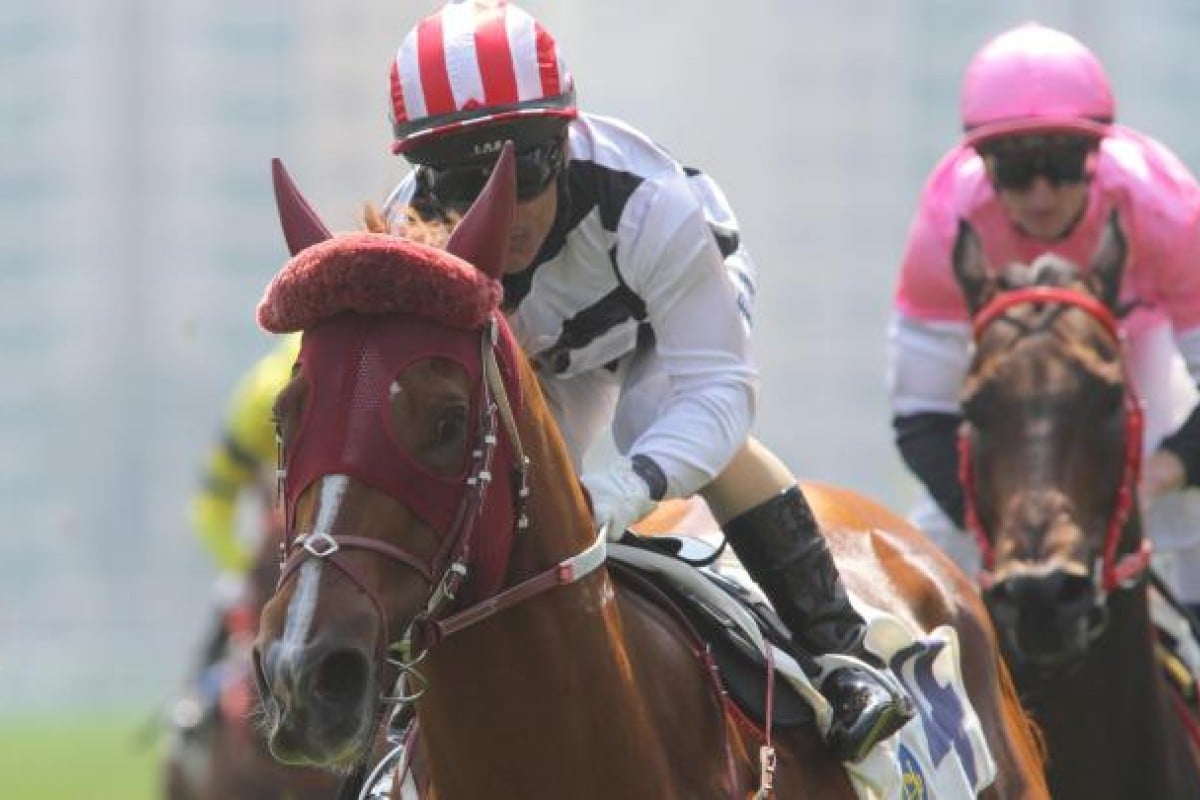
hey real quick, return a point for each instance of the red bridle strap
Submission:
(1059, 295)
(327, 548)
(1115, 572)
(431, 630)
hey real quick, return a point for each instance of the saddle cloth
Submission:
(940, 754)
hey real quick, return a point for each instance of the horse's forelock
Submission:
(375, 273)
(1048, 269)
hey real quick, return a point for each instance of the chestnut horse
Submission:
(436, 527)
(225, 757)
(1050, 453)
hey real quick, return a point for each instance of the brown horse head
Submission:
(393, 458)
(1047, 443)
(437, 532)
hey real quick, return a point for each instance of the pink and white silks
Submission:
(1158, 202)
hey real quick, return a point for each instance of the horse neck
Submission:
(548, 680)
(560, 524)
(1114, 716)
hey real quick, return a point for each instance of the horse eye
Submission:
(451, 427)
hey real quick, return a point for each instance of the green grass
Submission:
(88, 758)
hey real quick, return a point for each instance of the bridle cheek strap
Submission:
(1115, 572)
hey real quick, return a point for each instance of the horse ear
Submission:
(1108, 264)
(301, 226)
(971, 269)
(481, 236)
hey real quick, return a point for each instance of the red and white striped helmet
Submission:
(475, 62)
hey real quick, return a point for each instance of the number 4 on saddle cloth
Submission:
(943, 753)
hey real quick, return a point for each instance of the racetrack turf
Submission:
(89, 758)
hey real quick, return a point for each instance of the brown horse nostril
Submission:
(1055, 589)
(1075, 590)
(341, 677)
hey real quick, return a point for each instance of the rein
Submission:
(1114, 572)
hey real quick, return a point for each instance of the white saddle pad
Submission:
(942, 753)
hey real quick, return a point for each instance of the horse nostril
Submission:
(341, 677)
(999, 594)
(1074, 590)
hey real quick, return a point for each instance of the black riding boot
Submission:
(780, 545)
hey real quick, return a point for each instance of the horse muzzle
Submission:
(318, 699)
(1047, 620)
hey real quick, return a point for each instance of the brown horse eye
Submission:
(451, 427)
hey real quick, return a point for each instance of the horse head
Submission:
(402, 486)
(1049, 446)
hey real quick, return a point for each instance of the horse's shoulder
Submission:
(888, 562)
(842, 508)
(682, 516)
(836, 507)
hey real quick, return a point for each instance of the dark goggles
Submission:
(1016, 169)
(457, 186)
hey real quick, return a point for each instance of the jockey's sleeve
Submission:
(926, 288)
(1178, 245)
(1185, 442)
(245, 451)
(927, 363)
(698, 307)
(928, 444)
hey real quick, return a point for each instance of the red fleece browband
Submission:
(375, 273)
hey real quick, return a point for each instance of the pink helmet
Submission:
(475, 62)
(1033, 79)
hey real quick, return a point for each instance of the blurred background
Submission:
(137, 231)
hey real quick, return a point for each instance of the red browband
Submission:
(1058, 295)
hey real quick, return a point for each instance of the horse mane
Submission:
(426, 226)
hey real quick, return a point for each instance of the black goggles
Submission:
(457, 186)
(1017, 170)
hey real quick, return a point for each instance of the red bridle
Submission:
(1115, 571)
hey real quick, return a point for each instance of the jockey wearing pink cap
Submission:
(629, 288)
(1041, 166)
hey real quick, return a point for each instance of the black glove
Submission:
(928, 444)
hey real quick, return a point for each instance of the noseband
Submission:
(1116, 571)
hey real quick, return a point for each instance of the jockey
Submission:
(1039, 170)
(630, 289)
(243, 460)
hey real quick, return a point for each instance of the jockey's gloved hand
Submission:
(624, 493)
